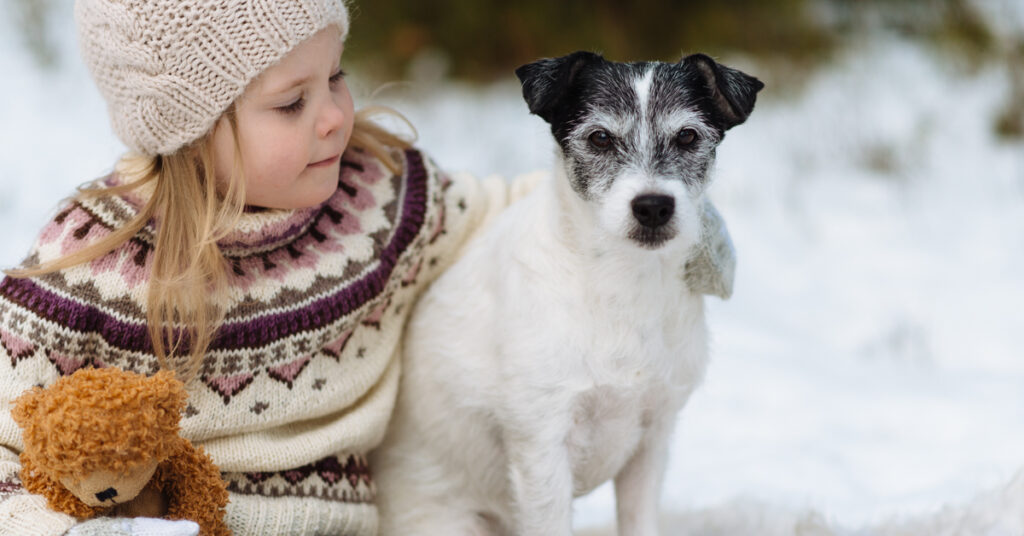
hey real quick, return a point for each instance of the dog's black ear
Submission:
(732, 92)
(546, 81)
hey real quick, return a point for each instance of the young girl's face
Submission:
(294, 122)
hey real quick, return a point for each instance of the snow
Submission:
(867, 376)
(868, 365)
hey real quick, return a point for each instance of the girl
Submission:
(262, 239)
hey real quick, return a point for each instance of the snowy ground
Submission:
(869, 366)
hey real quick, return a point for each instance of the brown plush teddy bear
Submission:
(105, 442)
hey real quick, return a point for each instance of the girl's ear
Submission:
(732, 92)
(545, 82)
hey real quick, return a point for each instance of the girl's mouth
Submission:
(325, 162)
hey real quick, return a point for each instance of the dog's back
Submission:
(554, 355)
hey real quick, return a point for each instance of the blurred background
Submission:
(869, 369)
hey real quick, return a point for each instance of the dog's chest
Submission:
(642, 353)
(608, 425)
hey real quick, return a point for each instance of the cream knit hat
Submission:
(168, 69)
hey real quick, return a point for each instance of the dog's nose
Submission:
(653, 210)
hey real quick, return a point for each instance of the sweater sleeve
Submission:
(712, 267)
(22, 513)
(466, 207)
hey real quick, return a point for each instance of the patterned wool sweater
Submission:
(300, 381)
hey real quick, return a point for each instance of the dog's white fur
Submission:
(552, 357)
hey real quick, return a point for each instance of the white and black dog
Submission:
(556, 353)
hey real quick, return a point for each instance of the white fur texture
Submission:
(552, 357)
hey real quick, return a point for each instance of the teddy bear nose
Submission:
(106, 495)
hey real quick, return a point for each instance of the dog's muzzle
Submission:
(653, 210)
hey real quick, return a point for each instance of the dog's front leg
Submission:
(541, 479)
(638, 484)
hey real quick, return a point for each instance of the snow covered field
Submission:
(869, 368)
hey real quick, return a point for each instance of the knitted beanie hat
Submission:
(168, 69)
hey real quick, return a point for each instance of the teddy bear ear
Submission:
(167, 392)
(25, 406)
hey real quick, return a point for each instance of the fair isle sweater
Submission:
(299, 383)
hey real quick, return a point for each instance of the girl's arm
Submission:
(25, 514)
(21, 513)
(712, 269)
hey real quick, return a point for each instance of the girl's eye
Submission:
(600, 139)
(294, 107)
(686, 137)
(336, 77)
(298, 104)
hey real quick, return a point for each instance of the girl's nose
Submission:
(331, 118)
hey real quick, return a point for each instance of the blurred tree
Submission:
(485, 39)
(488, 38)
(953, 25)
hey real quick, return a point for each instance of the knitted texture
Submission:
(24, 514)
(300, 381)
(141, 526)
(711, 268)
(168, 69)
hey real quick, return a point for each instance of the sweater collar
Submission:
(261, 229)
(258, 229)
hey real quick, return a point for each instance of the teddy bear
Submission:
(105, 442)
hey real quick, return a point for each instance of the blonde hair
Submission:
(189, 272)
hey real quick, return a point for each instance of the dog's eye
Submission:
(600, 139)
(686, 137)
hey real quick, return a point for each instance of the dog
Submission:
(555, 354)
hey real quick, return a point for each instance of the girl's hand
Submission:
(134, 526)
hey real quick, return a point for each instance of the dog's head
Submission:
(638, 139)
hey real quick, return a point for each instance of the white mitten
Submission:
(134, 526)
(712, 267)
